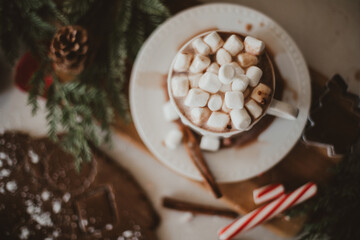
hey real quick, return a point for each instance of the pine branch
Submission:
(75, 10)
(153, 7)
(37, 89)
(23, 22)
(117, 29)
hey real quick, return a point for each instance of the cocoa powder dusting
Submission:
(248, 27)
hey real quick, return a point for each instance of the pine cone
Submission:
(68, 50)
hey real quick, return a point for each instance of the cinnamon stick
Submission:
(193, 149)
(195, 208)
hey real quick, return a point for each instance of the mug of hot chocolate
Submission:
(222, 83)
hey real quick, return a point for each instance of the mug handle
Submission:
(283, 110)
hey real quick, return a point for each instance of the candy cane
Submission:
(268, 211)
(268, 193)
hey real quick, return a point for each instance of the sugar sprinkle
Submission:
(45, 195)
(11, 186)
(24, 234)
(33, 157)
(56, 206)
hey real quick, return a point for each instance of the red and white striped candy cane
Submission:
(268, 211)
(268, 192)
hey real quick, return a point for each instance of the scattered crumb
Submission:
(186, 217)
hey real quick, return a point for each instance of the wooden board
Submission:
(302, 164)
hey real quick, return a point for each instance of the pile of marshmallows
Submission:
(215, 92)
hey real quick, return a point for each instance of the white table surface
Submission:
(326, 31)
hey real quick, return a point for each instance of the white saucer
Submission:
(147, 95)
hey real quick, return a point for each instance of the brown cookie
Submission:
(43, 196)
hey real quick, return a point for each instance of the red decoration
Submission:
(25, 69)
(268, 211)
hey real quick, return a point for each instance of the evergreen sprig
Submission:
(26, 24)
(116, 29)
(334, 213)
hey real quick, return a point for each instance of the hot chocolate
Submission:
(222, 81)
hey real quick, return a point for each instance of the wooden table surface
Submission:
(327, 33)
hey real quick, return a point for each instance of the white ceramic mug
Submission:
(275, 107)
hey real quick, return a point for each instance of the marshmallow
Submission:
(196, 98)
(180, 85)
(253, 45)
(213, 68)
(199, 64)
(194, 80)
(215, 102)
(238, 69)
(225, 88)
(234, 100)
(261, 93)
(209, 143)
(233, 45)
(254, 74)
(247, 59)
(223, 57)
(225, 109)
(218, 121)
(240, 118)
(182, 62)
(200, 47)
(169, 112)
(173, 138)
(254, 108)
(210, 82)
(240, 83)
(199, 115)
(226, 73)
(214, 41)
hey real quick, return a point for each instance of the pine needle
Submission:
(84, 108)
